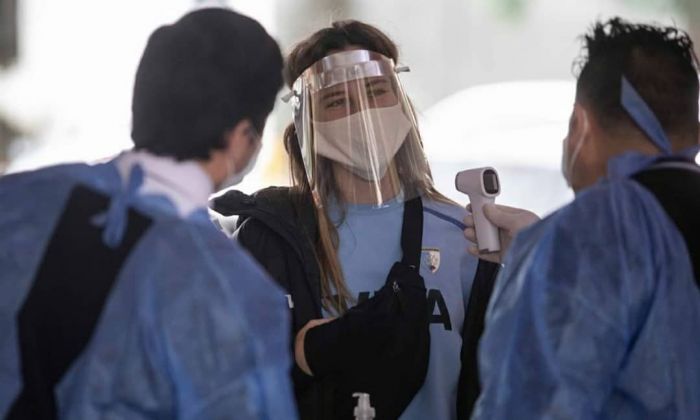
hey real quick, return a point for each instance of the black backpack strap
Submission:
(412, 232)
(474, 316)
(63, 306)
(677, 188)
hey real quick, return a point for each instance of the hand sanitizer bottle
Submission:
(363, 411)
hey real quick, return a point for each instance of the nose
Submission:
(355, 102)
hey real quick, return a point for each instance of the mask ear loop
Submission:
(635, 106)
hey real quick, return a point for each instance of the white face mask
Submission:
(366, 141)
(235, 177)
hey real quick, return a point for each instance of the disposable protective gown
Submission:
(187, 327)
(596, 313)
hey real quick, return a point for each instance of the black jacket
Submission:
(278, 227)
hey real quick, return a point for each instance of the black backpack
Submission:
(676, 185)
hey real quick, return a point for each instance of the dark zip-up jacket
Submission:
(278, 227)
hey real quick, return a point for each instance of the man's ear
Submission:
(238, 141)
(580, 126)
(583, 120)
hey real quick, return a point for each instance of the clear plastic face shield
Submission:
(357, 131)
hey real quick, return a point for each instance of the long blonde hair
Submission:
(336, 297)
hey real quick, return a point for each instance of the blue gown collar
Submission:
(114, 220)
(627, 164)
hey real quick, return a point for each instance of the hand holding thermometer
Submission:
(482, 186)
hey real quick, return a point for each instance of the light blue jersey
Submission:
(192, 327)
(370, 243)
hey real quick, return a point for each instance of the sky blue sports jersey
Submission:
(369, 246)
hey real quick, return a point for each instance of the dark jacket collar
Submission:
(292, 208)
(285, 211)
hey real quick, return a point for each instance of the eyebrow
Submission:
(333, 94)
(342, 92)
(374, 82)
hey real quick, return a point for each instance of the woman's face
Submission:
(358, 125)
(345, 99)
(348, 98)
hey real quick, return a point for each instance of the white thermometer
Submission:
(482, 186)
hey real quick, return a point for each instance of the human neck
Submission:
(215, 167)
(185, 183)
(611, 147)
(355, 190)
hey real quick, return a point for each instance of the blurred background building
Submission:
(492, 79)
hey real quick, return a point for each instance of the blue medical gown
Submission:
(191, 329)
(595, 315)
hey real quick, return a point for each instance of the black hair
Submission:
(198, 78)
(658, 61)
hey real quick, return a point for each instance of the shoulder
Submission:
(605, 233)
(40, 195)
(203, 245)
(605, 250)
(448, 215)
(444, 229)
(179, 261)
(231, 202)
(611, 210)
(276, 199)
(279, 212)
(53, 174)
(200, 291)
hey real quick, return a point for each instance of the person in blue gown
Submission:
(597, 310)
(118, 297)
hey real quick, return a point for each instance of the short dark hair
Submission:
(658, 61)
(198, 78)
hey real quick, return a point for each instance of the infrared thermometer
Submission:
(482, 186)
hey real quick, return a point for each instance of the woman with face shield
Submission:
(372, 257)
